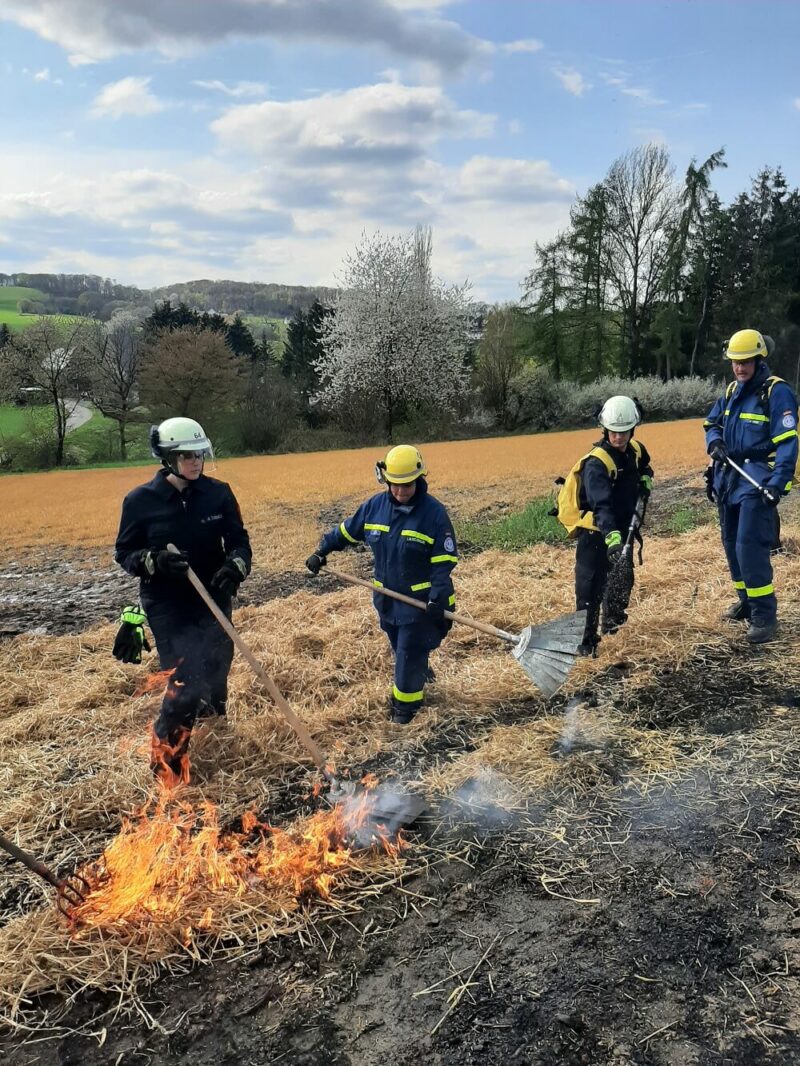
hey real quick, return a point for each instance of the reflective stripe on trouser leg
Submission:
(728, 526)
(754, 540)
(414, 643)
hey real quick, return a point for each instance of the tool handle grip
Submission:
(482, 627)
(296, 723)
(743, 473)
(28, 860)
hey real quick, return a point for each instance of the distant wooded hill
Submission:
(91, 294)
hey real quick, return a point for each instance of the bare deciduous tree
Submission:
(115, 351)
(50, 357)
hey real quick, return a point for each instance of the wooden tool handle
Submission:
(296, 723)
(28, 860)
(482, 627)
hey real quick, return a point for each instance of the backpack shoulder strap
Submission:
(605, 459)
(729, 391)
(637, 449)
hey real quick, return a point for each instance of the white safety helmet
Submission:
(619, 414)
(179, 435)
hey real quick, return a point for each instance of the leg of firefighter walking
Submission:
(415, 642)
(219, 656)
(729, 517)
(753, 542)
(591, 570)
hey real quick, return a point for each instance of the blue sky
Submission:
(156, 141)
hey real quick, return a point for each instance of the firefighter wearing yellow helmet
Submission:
(201, 517)
(754, 425)
(414, 551)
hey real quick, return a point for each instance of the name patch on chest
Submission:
(210, 518)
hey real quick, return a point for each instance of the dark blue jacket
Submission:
(760, 433)
(204, 521)
(413, 547)
(613, 502)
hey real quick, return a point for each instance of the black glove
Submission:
(435, 612)
(130, 638)
(230, 576)
(772, 496)
(315, 562)
(708, 474)
(170, 564)
(718, 452)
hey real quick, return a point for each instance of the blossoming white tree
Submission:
(399, 337)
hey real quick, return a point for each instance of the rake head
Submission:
(71, 892)
(547, 652)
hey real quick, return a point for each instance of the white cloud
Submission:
(797, 102)
(240, 89)
(511, 181)
(525, 44)
(129, 96)
(387, 122)
(42, 75)
(645, 96)
(695, 107)
(94, 30)
(572, 80)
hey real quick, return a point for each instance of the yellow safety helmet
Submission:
(401, 466)
(746, 344)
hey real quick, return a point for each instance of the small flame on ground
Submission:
(170, 762)
(172, 862)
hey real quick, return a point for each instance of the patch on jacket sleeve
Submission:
(788, 420)
(449, 543)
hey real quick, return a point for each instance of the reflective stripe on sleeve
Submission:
(345, 534)
(784, 436)
(422, 585)
(738, 584)
(452, 601)
(376, 583)
(444, 558)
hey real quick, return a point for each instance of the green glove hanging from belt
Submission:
(130, 638)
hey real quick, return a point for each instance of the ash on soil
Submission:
(604, 928)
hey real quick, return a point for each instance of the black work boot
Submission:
(590, 640)
(401, 713)
(738, 612)
(761, 632)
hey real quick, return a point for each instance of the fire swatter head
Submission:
(547, 652)
(375, 816)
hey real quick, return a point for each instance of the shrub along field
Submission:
(606, 878)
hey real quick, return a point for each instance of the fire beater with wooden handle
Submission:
(545, 652)
(386, 807)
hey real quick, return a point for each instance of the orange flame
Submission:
(155, 682)
(172, 863)
(170, 762)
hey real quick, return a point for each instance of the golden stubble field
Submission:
(73, 732)
(281, 495)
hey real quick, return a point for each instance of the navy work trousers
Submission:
(191, 642)
(412, 643)
(748, 534)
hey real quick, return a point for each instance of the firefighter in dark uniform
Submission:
(616, 473)
(200, 516)
(755, 423)
(414, 551)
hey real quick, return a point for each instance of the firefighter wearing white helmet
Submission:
(613, 475)
(414, 552)
(754, 424)
(200, 516)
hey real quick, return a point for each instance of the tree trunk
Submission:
(123, 446)
(698, 332)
